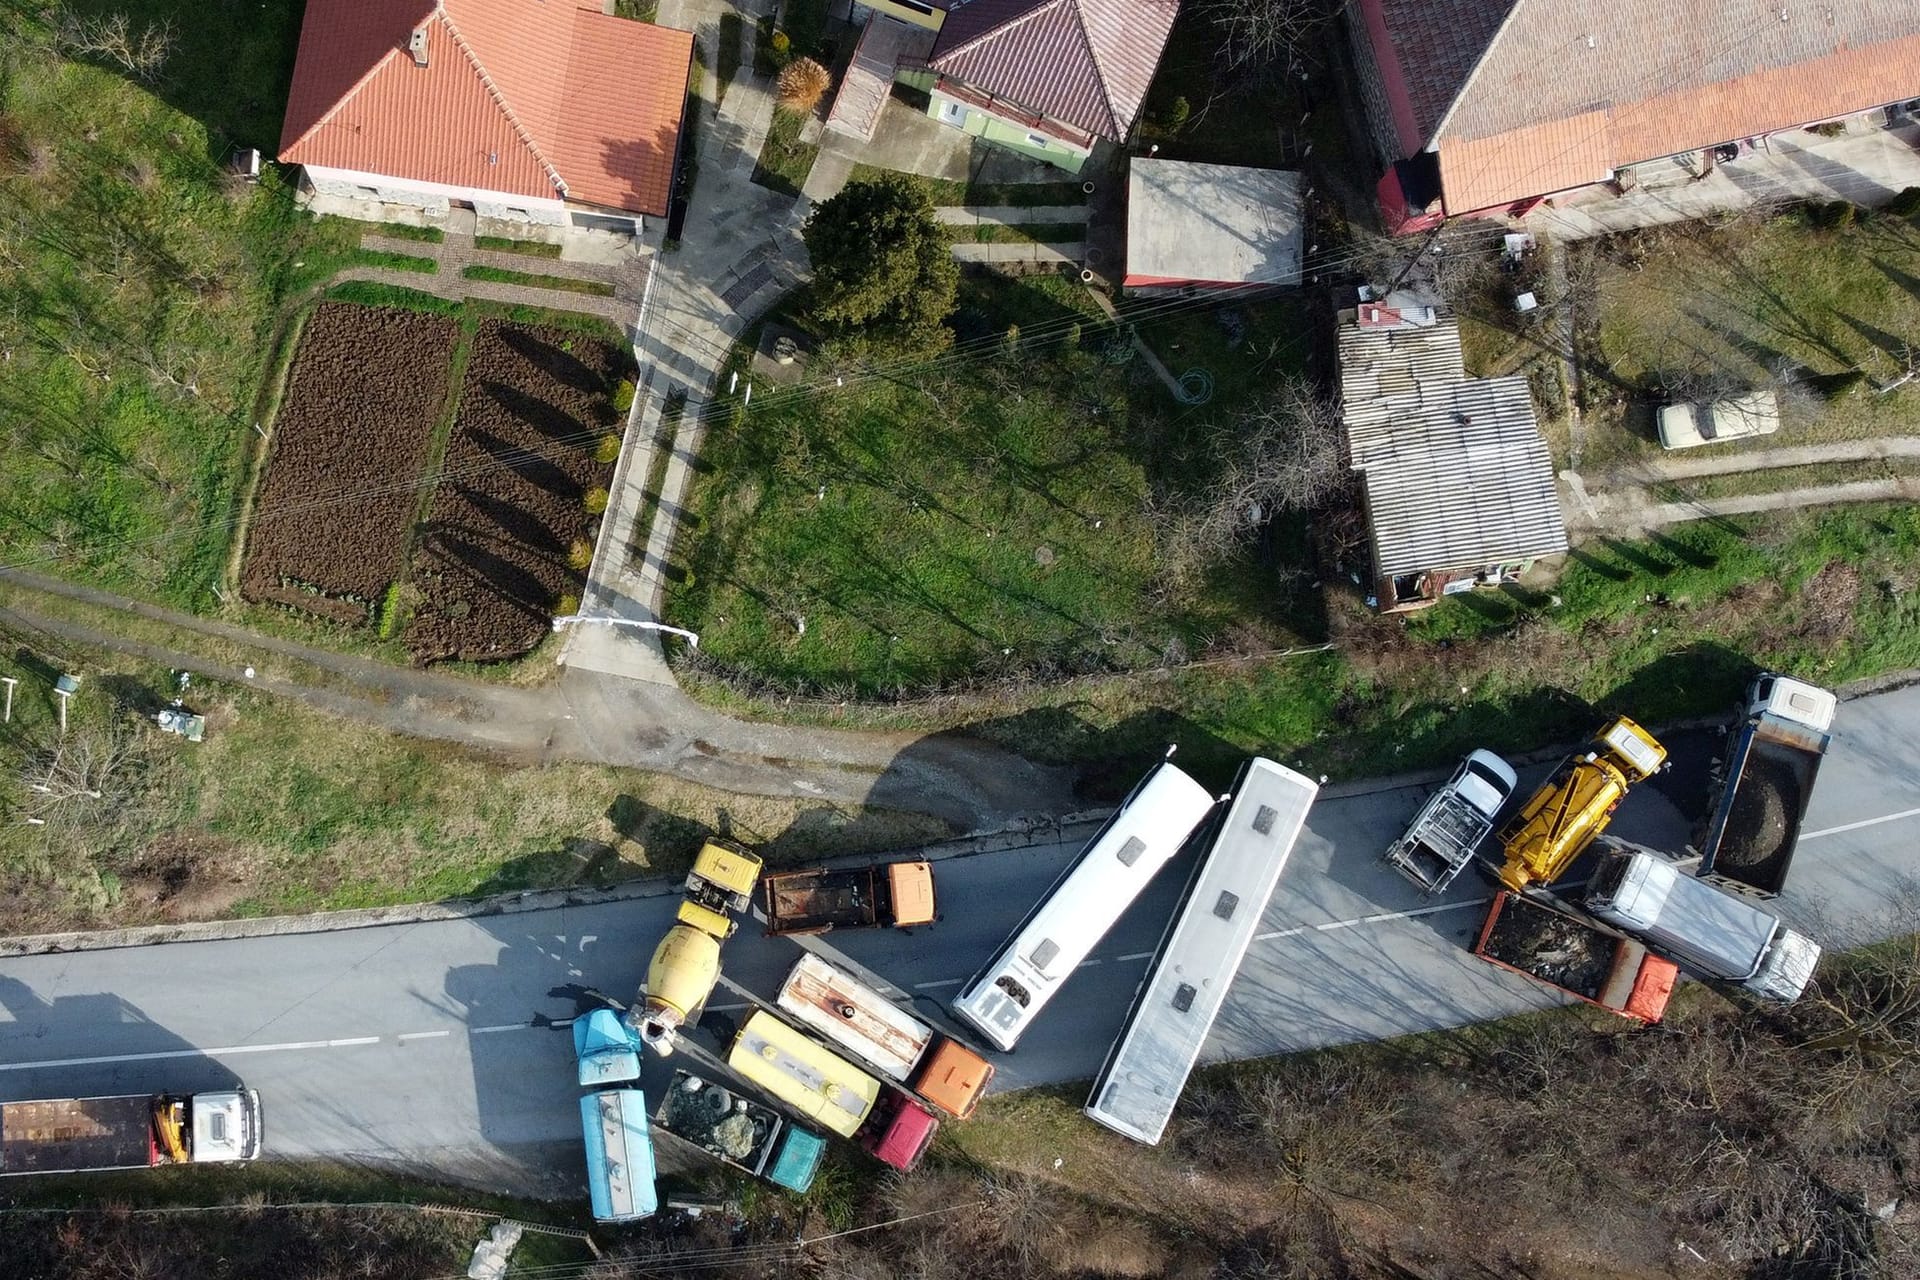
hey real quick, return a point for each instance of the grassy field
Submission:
(1740, 303)
(983, 512)
(284, 809)
(1661, 629)
(142, 293)
(1018, 233)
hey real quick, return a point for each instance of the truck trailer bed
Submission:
(68, 1134)
(1751, 839)
(811, 901)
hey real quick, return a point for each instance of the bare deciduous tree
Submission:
(1285, 453)
(1256, 35)
(140, 51)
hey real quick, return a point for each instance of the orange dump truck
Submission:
(898, 895)
(1571, 953)
(833, 1003)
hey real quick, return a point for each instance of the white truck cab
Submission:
(1792, 700)
(225, 1126)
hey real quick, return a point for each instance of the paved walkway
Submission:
(740, 251)
(1008, 215)
(1626, 497)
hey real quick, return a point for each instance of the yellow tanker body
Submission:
(686, 963)
(1575, 804)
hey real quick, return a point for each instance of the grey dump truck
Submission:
(1707, 930)
(1767, 782)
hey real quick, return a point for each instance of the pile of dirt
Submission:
(1551, 947)
(182, 876)
(1755, 840)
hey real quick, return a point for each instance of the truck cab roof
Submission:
(911, 886)
(1486, 781)
(1792, 700)
(1634, 747)
(226, 1126)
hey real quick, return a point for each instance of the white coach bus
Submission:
(1140, 837)
(1187, 982)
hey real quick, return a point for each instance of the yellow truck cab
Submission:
(1575, 804)
(686, 963)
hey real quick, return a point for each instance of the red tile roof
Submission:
(1526, 97)
(544, 98)
(1085, 62)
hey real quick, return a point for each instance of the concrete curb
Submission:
(1015, 835)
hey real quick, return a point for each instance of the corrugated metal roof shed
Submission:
(1456, 474)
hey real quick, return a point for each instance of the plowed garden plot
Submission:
(329, 530)
(493, 561)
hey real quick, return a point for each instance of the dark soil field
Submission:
(1550, 946)
(329, 528)
(493, 561)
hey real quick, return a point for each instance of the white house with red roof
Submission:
(1047, 78)
(541, 111)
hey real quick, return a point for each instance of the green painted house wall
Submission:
(988, 127)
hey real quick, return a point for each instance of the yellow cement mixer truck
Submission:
(1575, 804)
(686, 964)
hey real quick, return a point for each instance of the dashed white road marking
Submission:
(1379, 918)
(421, 1035)
(1855, 826)
(225, 1051)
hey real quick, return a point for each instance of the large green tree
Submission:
(883, 268)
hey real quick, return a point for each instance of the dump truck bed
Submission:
(1570, 954)
(816, 900)
(721, 1122)
(1751, 836)
(64, 1135)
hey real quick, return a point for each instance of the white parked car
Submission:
(1685, 426)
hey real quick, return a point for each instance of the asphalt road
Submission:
(421, 1043)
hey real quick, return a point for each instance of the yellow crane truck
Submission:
(1575, 804)
(686, 964)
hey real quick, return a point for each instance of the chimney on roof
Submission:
(417, 46)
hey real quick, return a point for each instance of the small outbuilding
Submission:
(1222, 227)
(1459, 484)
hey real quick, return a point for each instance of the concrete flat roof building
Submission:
(1211, 226)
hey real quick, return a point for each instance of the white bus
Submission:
(1143, 833)
(1187, 982)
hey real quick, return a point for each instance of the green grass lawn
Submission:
(568, 284)
(981, 512)
(785, 161)
(1829, 596)
(143, 292)
(393, 261)
(1019, 233)
(509, 244)
(1742, 302)
(950, 191)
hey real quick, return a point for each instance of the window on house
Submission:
(1035, 140)
(1130, 851)
(952, 113)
